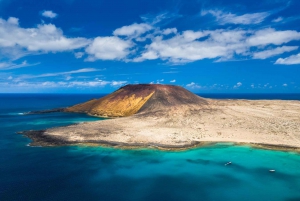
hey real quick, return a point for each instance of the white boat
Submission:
(229, 163)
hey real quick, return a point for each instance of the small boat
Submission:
(271, 170)
(229, 163)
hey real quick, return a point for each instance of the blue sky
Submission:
(96, 46)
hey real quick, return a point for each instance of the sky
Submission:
(97, 46)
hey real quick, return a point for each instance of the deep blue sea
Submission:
(107, 174)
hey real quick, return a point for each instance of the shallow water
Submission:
(98, 173)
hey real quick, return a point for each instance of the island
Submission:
(171, 117)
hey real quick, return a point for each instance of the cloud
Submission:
(99, 83)
(170, 72)
(279, 19)
(190, 46)
(68, 77)
(293, 59)
(169, 31)
(162, 18)
(168, 45)
(285, 85)
(13, 20)
(134, 30)
(43, 38)
(229, 18)
(186, 47)
(79, 55)
(49, 14)
(237, 85)
(271, 36)
(173, 81)
(157, 81)
(273, 52)
(147, 55)
(67, 73)
(108, 48)
(52, 84)
(14, 53)
(193, 85)
(118, 83)
(9, 65)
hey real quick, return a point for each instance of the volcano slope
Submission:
(133, 99)
(166, 116)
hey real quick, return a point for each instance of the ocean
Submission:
(102, 173)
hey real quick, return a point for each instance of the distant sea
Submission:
(101, 173)
(250, 96)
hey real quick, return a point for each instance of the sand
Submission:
(270, 123)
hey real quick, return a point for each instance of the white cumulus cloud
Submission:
(186, 47)
(271, 36)
(108, 48)
(44, 38)
(293, 59)
(13, 20)
(169, 31)
(190, 46)
(193, 85)
(49, 14)
(132, 30)
(146, 41)
(237, 85)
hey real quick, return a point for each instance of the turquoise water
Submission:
(97, 173)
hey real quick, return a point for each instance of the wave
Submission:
(16, 113)
(12, 114)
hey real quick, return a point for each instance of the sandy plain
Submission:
(271, 124)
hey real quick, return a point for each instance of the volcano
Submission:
(132, 99)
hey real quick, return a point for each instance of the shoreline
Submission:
(263, 124)
(35, 136)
